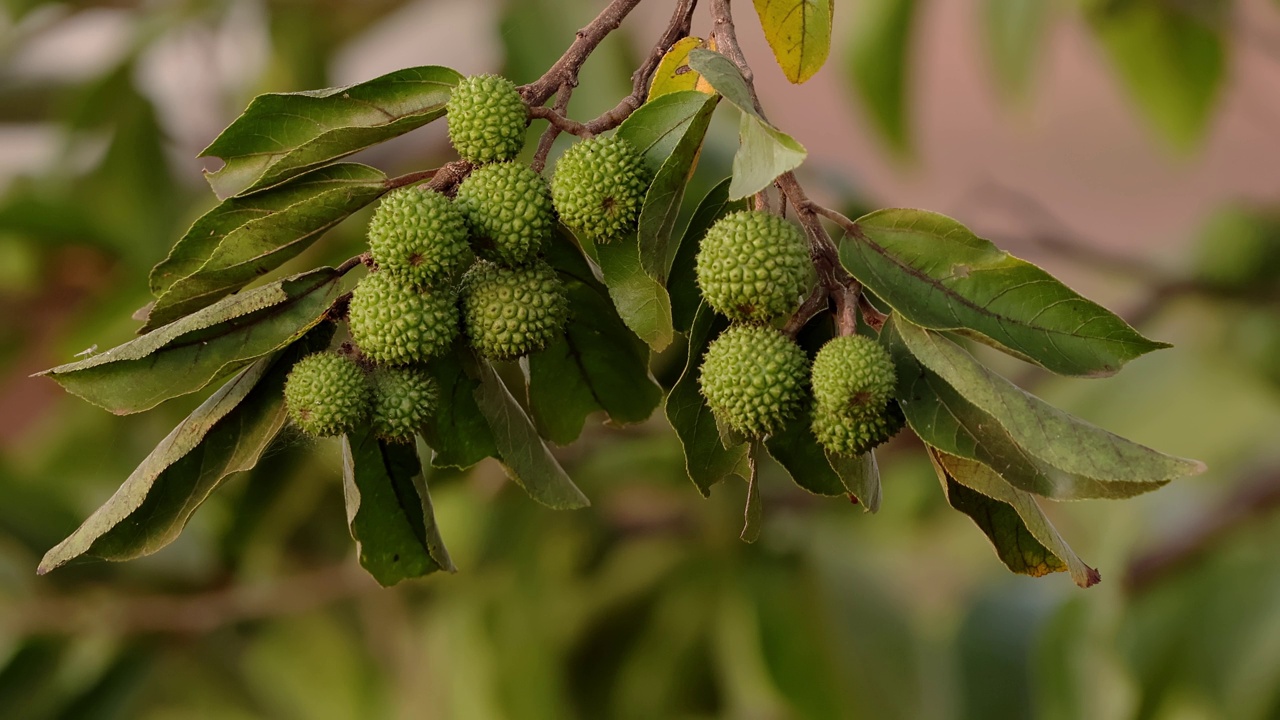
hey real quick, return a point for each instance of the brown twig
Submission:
(552, 132)
(565, 70)
(560, 121)
(1252, 500)
(189, 614)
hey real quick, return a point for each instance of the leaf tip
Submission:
(1091, 577)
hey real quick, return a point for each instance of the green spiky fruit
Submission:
(396, 324)
(508, 208)
(327, 394)
(754, 266)
(754, 379)
(598, 188)
(419, 237)
(852, 374)
(853, 434)
(487, 119)
(403, 399)
(512, 312)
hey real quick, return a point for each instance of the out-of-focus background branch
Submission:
(1128, 146)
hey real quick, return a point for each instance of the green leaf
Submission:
(861, 477)
(1015, 33)
(642, 302)
(879, 54)
(663, 201)
(799, 454)
(939, 275)
(244, 238)
(753, 514)
(1041, 431)
(799, 32)
(459, 435)
(657, 127)
(683, 282)
(598, 364)
(706, 460)
(281, 135)
(764, 152)
(185, 356)
(1172, 59)
(227, 434)
(389, 510)
(528, 461)
(1024, 539)
(673, 73)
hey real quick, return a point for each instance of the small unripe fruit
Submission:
(395, 324)
(510, 312)
(852, 434)
(487, 119)
(599, 187)
(419, 237)
(508, 208)
(754, 379)
(754, 266)
(403, 399)
(327, 394)
(853, 374)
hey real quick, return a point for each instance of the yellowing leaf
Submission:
(674, 74)
(799, 31)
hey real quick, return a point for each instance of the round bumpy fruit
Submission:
(326, 394)
(487, 119)
(852, 374)
(598, 187)
(508, 207)
(512, 312)
(753, 266)
(418, 236)
(396, 324)
(403, 399)
(753, 379)
(853, 434)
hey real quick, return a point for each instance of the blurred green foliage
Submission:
(645, 605)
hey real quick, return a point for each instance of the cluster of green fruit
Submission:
(754, 268)
(471, 264)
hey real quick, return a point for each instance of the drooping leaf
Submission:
(528, 461)
(764, 152)
(598, 364)
(945, 420)
(227, 434)
(673, 73)
(1173, 60)
(937, 274)
(459, 435)
(657, 127)
(861, 477)
(1042, 431)
(683, 283)
(642, 302)
(799, 32)
(281, 135)
(244, 238)
(879, 55)
(389, 511)
(706, 460)
(753, 514)
(185, 356)
(798, 452)
(1024, 539)
(666, 194)
(1015, 34)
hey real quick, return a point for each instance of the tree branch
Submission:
(565, 70)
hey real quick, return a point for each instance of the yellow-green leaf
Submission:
(799, 32)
